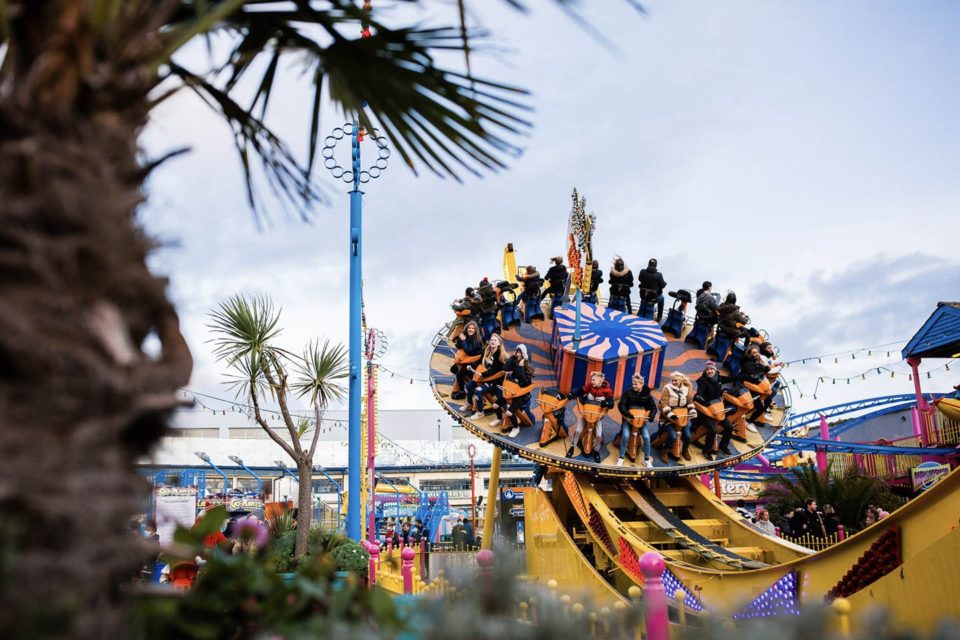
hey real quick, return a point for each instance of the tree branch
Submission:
(281, 389)
(263, 424)
(318, 418)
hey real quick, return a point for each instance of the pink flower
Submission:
(250, 529)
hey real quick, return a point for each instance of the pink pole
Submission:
(390, 547)
(918, 429)
(822, 455)
(921, 401)
(407, 570)
(485, 560)
(841, 533)
(371, 455)
(654, 596)
(374, 550)
(777, 531)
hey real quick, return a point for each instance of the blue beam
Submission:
(250, 471)
(814, 444)
(810, 417)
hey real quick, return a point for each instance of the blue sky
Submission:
(804, 155)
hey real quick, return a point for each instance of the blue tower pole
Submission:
(356, 336)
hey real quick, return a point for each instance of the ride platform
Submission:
(657, 355)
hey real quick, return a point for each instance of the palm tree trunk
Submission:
(304, 506)
(79, 400)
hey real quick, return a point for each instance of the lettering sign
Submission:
(733, 490)
(173, 507)
(926, 474)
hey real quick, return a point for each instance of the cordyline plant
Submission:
(80, 400)
(245, 330)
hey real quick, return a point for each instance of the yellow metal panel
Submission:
(551, 554)
(923, 591)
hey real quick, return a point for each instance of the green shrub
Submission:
(353, 558)
(281, 551)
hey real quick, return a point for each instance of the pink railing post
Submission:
(777, 531)
(654, 596)
(821, 453)
(374, 550)
(407, 570)
(841, 533)
(390, 547)
(485, 561)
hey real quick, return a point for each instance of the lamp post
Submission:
(226, 479)
(354, 177)
(472, 452)
(237, 460)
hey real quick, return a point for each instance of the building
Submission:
(421, 450)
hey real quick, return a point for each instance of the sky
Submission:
(804, 155)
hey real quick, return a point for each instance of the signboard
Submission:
(579, 250)
(173, 507)
(926, 474)
(731, 491)
(511, 513)
(235, 504)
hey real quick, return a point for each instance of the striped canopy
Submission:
(606, 334)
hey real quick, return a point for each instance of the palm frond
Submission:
(319, 371)
(243, 325)
(248, 378)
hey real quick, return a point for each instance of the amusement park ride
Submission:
(600, 517)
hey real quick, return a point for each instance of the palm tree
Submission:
(849, 493)
(246, 330)
(80, 398)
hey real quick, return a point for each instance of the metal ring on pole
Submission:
(374, 171)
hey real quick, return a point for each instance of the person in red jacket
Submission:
(598, 389)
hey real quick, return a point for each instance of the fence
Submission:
(940, 430)
(645, 614)
(817, 543)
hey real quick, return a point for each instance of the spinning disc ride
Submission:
(620, 345)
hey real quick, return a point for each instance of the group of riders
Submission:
(486, 372)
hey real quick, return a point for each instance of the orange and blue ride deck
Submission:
(619, 344)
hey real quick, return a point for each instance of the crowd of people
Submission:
(486, 363)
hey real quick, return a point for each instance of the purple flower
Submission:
(250, 529)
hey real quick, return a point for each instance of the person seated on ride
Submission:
(596, 390)
(770, 358)
(470, 343)
(596, 279)
(731, 320)
(520, 371)
(638, 397)
(707, 305)
(468, 305)
(488, 297)
(676, 394)
(754, 370)
(710, 391)
(556, 277)
(650, 280)
(492, 361)
(621, 282)
(531, 281)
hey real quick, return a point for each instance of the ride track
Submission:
(599, 519)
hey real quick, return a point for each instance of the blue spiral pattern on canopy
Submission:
(606, 334)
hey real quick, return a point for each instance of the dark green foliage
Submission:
(243, 597)
(850, 493)
(281, 550)
(353, 558)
